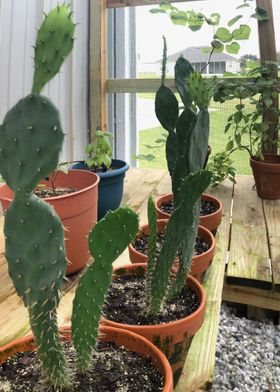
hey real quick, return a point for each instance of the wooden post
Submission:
(98, 72)
(268, 53)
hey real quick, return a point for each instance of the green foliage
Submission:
(100, 152)
(195, 21)
(30, 141)
(221, 168)
(246, 128)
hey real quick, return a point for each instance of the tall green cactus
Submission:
(31, 139)
(188, 132)
(180, 234)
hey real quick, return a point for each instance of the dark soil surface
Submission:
(206, 207)
(43, 192)
(141, 244)
(126, 303)
(99, 169)
(113, 369)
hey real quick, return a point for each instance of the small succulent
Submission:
(35, 249)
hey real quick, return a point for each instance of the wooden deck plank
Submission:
(249, 262)
(199, 367)
(265, 299)
(272, 217)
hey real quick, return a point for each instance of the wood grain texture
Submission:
(200, 363)
(265, 299)
(98, 74)
(249, 262)
(272, 216)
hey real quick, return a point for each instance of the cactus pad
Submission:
(107, 241)
(30, 142)
(54, 42)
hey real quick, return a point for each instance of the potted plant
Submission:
(110, 171)
(203, 252)
(163, 283)
(34, 237)
(248, 126)
(78, 209)
(188, 132)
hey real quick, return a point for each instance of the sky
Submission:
(151, 27)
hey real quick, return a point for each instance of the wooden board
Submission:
(249, 262)
(199, 367)
(265, 299)
(272, 217)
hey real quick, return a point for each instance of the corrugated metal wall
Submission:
(68, 90)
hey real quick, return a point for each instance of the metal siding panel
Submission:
(68, 90)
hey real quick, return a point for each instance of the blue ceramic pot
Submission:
(110, 188)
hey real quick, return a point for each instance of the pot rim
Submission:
(254, 161)
(114, 173)
(204, 196)
(65, 332)
(159, 327)
(194, 258)
(60, 197)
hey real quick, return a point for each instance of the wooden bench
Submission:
(233, 245)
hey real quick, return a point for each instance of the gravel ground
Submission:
(247, 356)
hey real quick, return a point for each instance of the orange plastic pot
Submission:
(210, 221)
(267, 176)
(120, 337)
(173, 338)
(77, 211)
(200, 263)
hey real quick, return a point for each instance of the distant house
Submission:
(219, 62)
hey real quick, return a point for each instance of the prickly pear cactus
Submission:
(30, 142)
(200, 89)
(182, 70)
(107, 241)
(182, 223)
(54, 42)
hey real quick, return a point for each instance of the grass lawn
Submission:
(218, 140)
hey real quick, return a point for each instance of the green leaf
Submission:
(233, 48)
(223, 34)
(261, 14)
(179, 18)
(234, 20)
(243, 6)
(157, 11)
(216, 44)
(242, 33)
(237, 117)
(229, 146)
(227, 127)
(238, 139)
(220, 49)
(143, 157)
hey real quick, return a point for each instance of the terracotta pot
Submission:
(210, 221)
(267, 176)
(120, 337)
(77, 211)
(173, 338)
(200, 263)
